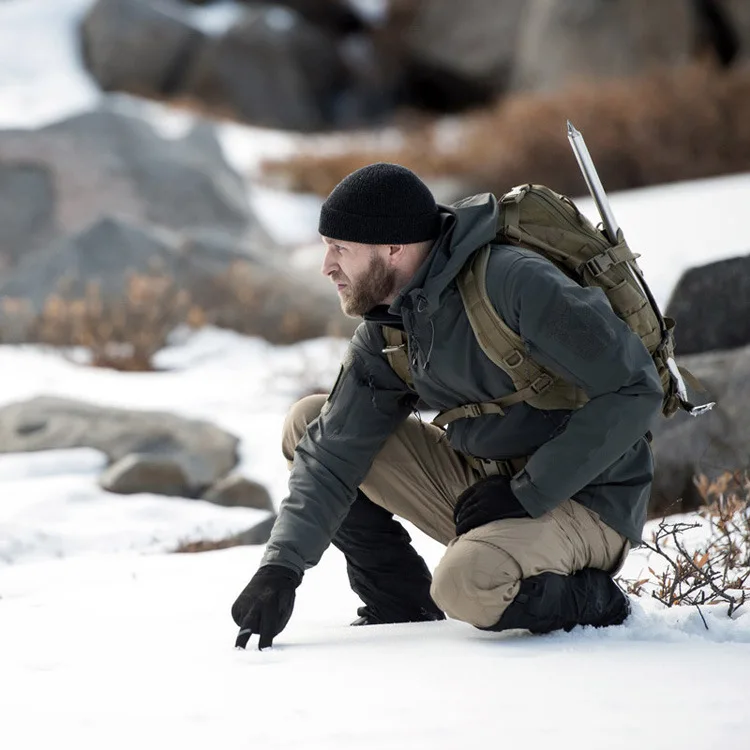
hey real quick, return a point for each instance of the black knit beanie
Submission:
(381, 204)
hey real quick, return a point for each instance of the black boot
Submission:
(366, 617)
(384, 570)
(549, 601)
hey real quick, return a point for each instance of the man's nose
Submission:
(329, 265)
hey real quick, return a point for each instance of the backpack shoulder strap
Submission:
(503, 346)
(498, 341)
(397, 352)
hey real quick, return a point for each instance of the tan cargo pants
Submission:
(418, 476)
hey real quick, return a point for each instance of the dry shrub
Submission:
(715, 570)
(18, 317)
(123, 334)
(672, 125)
(255, 302)
(126, 331)
(203, 545)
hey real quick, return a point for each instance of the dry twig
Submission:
(717, 569)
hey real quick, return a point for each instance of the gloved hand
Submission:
(489, 499)
(265, 604)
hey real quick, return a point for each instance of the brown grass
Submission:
(122, 334)
(672, 125)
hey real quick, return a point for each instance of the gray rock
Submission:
(27, 208)
(139, 472)
(253, 294)
(260, 71)
(259, 534)
(104, 163)
(205, 452)
(140, 46)
(472, 40)
(564, 40)
(713, 443)
(336, 16)
(738, 15)
(104, 255)
(711, 305)
(236, 490)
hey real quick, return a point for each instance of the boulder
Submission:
(336, 16)
(103, 255)
(260, 71)
(142, 472)
(711, 305)
(27, 209)
(713, 443)
(564, 40)
(738, 16)
(258, 534)
(204, 452)
(139, 46)
(473, 41)
(238, 491)
(113, 263)
(107, 163)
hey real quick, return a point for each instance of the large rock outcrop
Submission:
(140, 46)
(61, 178)
(711, 305)
(473, 41)
(713, 443)
(272, 68)
(564, 40)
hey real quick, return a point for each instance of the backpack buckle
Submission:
(513, 360)
(541, 384)
(492, 467)
(472, 410)
(597, 265)
(515, 194)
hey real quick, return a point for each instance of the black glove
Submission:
(489, 499)
(265, 604)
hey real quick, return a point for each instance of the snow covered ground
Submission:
(106, 640)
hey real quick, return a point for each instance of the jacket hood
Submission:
(466, 226)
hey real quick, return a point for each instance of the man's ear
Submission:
(395, 252)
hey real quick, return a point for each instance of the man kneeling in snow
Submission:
(538, 508)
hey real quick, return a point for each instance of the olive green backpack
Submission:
(537, 218)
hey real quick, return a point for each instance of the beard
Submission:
(374, 286)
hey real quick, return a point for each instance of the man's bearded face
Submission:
(362, 286)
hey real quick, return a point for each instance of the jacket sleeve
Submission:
(573, 331)
(367, 404)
